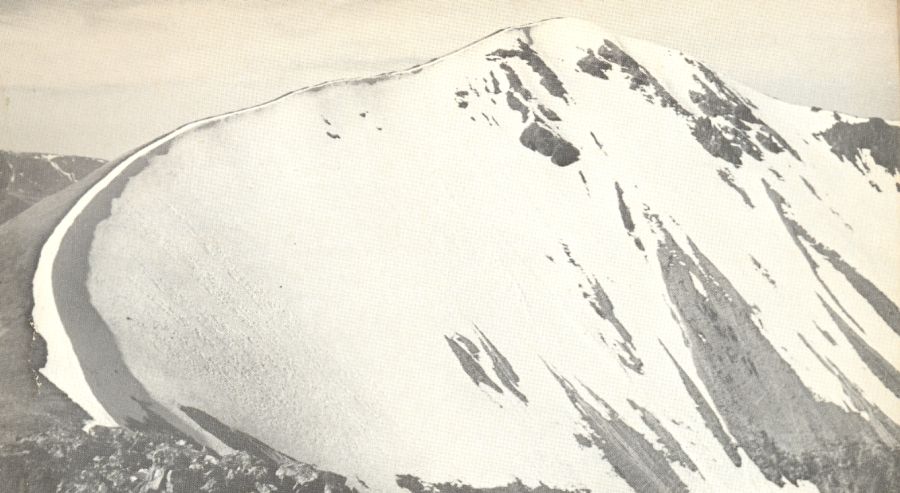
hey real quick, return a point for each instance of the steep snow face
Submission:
(555, 255)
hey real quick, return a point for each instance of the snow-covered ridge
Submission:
(62, 366)
(516, 247)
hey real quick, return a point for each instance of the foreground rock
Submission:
(123, 460)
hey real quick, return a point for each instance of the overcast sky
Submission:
(98, 78)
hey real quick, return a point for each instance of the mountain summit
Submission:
(555, 256)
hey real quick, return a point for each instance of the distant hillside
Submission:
(26, 178)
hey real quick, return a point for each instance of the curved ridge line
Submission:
(62, 366)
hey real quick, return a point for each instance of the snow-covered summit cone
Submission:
(555, 255)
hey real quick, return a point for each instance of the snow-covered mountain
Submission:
(26, 178)
(556, 256)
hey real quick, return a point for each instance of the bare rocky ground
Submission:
(102, 460)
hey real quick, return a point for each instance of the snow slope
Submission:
(555, 255)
